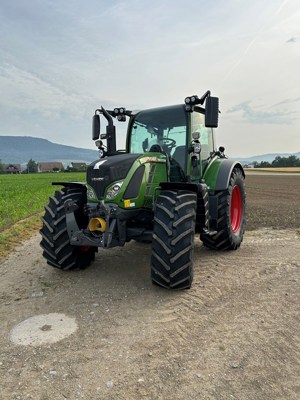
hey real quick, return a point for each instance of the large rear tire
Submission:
(55, 242)
(231, 215)
(173, 239)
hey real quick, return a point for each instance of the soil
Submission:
(273, 200)
(234, 335)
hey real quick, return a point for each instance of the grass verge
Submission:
(22, 230)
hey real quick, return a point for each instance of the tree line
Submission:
(279, 162)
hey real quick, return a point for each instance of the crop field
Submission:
(25, 195)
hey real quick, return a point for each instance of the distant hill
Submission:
(20, 149)
(265, 157)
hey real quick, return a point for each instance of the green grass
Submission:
(22, 196)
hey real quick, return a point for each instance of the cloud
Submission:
(293, 40)
(287, 101)
(250, 114)
(27, 91)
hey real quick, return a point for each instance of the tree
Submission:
(291, 161)
(32, 166)
(263, 164)
(279, 162)
(1, 167)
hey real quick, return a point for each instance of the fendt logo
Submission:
(99, 163)
(98, 179)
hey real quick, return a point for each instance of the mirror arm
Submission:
(206, 94)
(110, 132)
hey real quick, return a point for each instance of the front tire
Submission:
(231, 215)
(55, 242)
(173, 239)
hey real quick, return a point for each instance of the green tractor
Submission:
(168, 185)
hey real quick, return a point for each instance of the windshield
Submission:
(160, 129)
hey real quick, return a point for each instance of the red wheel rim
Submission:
(236, 209)
(84, 248)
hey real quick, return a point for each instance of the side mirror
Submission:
(96, 126)
(211, 112)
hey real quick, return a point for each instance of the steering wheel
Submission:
(169, 144)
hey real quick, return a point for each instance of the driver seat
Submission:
(156, 148)
(179, 155)
(177, 163)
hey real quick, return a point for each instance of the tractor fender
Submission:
(226, 168)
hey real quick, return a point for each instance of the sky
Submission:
(60, 60)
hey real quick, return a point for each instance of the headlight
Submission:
(90, 193)
(114, 190)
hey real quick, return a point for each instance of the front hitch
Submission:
(104, 236)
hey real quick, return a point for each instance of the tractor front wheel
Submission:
(55, 242)
(173, 239)
(230, 215)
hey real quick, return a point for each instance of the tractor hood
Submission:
(103, 172)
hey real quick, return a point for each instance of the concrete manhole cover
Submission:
(43, 329)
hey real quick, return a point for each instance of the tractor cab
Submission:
(175, 132)
(183, 133)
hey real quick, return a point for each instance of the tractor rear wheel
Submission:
(231, 215)
(173, 239)
(55, 239)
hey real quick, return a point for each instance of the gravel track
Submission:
(234, 335)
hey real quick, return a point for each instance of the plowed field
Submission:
(273, 200)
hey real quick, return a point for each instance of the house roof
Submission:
(78, 164)
(48, 166)
(12, 167)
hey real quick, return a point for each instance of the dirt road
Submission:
(234, 335)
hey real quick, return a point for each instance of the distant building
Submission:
(12, 168)
(50, 166)
(78, 166)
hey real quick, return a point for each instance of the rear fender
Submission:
(218, 173)
(225, 171)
